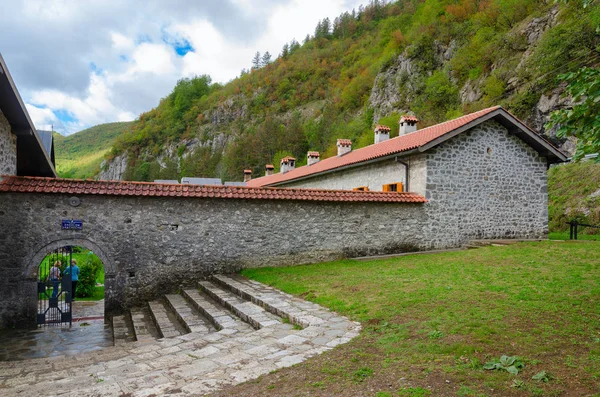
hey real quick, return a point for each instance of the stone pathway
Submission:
(88, 333)
(261, 330)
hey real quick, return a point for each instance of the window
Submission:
(362, 188)
(393, 187)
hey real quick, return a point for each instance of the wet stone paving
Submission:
(249, 329)
(88, 333)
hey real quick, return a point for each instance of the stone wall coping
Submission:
(17, 184)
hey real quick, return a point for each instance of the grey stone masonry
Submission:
(150, 246)
(8, 148)
(485, 184)
(187, 365)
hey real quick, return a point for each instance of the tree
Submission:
(583, 119)
(256, 61)
(266, 59)
(294, 45)
(285, 51)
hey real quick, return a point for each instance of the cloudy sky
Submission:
(78, 63)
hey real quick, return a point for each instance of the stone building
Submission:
(483, 174)
(22, 150)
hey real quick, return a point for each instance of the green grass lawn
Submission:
(580, 236)
(432, 321)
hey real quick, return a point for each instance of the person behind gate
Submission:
(74, 271)
(54, 276)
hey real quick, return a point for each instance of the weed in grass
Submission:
(414, 392)
(542, 376)
(517, 383)
(511, 365)
(271, 386)
(383, 394)
(362, 374)
(435, 334)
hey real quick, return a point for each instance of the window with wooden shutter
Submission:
(393, 187)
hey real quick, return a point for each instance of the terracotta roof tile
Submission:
(408, 117)
(382, 128)
(344, 142)
(287, 158)
(19, 184)
(392, 146)
(313, 154)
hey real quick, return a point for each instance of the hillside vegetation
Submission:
(79, 155)
(574, 195)
(435, 58)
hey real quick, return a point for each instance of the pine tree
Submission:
(285, 51)
(256, 61)
(266, 59)
(294, 45)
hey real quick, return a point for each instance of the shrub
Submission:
(87, 277)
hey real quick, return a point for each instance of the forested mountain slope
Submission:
(436, 59)
(79, 155)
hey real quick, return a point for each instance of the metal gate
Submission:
(54, 288)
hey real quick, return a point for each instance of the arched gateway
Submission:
(55, 294)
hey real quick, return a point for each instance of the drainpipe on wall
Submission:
(406, 174)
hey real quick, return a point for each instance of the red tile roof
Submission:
(344, 142)
(408, 117)
(247, 171)
(17, 184)
(287, 159)
(313, 154)
(382, 128)
(392, 146)
(269, 166)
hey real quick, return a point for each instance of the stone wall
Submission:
(8, 148)
(485, 183)
(373, 175)
(150, 246)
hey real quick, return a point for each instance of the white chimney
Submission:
(247, 175)
(382, 133)
(269, 169)
(408, 124)
(312, 158)
(287, 164)
(344, 146)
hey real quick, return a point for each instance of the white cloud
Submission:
(42, 118)
(122, 42)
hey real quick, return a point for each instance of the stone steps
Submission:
(296, 311)
(215, 313)
(122, 330)
(166, 321)
(192, 363)
(188, 315)
(248, 311)
(144, 328)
